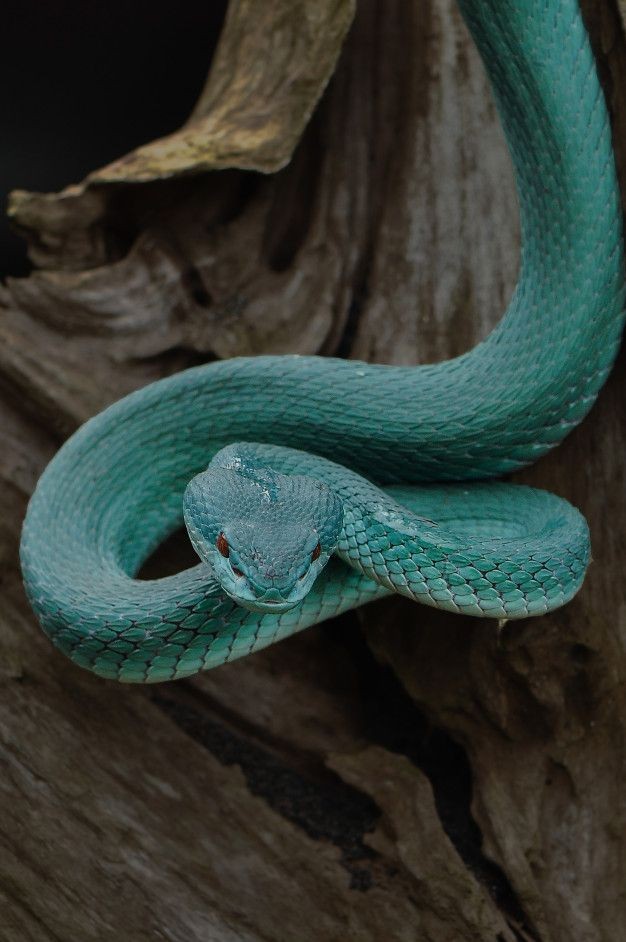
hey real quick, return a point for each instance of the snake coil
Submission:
(114, 490)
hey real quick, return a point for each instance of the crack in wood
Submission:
(329, 811)
(394, 721)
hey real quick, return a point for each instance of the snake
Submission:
(311, 485)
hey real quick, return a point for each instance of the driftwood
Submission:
(397, 774)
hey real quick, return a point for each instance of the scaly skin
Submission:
(114, 491)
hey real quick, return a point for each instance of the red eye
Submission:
(316, 552)
(236, 572)
(222, 545)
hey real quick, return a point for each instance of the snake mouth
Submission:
(270, 606)
(262, 599)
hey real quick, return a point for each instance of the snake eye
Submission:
(236, 572)
(316, 552)
(222, 545)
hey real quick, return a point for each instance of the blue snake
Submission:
(312, 485)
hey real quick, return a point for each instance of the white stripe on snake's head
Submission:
(265, 535)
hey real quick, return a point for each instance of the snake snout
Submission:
(272, 597)
(271, 600)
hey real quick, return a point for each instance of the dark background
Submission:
(83, 83)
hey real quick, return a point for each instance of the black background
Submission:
(85, 82)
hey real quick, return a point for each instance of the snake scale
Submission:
(312, 485)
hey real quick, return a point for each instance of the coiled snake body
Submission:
(268, 513)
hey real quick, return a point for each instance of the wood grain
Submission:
(396, 775)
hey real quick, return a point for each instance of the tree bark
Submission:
(399, 773)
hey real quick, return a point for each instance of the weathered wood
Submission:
(271, 65)
(398, 774)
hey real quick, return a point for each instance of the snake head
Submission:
(266, 536)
